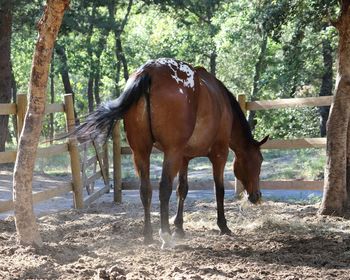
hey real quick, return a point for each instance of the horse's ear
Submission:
(263, 141)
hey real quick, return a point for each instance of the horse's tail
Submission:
(99, 124)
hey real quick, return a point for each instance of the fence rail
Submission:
(289, 103)
(53, 150)
(40, 196)
(71, 147)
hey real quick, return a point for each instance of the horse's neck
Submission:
(241, 138)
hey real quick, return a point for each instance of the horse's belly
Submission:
(201, 139)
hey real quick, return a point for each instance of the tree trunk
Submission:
(64, 71)
(336, 196)
(327, 82)
(118, 30)
(5, 65)
(14, 99)
(257, 74)
(101, 45)
(90, 93)
(293, 60)
(97, 83)
(48, 27)
(117, 79)
(213, 57)
(52, 96)
(120, 55)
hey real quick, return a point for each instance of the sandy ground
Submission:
(275, 240)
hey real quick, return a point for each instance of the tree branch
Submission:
(125, 20)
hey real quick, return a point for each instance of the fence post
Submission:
(74, 153)
(239, 189)
(21, 111)
(117, 168)
(242, 103)
(106, 163)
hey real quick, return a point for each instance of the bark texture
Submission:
(5, 65)
(49, 24)
(336, 189)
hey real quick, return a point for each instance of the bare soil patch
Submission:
(272, 241)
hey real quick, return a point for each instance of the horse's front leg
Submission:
(171, 165)
(218, 160)
(181, 192)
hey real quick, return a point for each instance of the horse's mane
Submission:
(236, 109)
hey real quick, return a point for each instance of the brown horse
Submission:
(185, 112)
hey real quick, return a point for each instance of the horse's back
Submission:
(173, 103)
(186, 109)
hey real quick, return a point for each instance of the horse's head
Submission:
(247, 167)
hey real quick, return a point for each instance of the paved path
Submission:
(65, 201)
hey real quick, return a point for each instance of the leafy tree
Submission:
(23, 173)
(265, 49)
(204, 13)
(336, 198)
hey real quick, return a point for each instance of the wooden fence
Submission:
(280, 144)
(71, 146)
(81, 180)
(283, 144)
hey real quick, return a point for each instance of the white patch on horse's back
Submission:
(167, 61)
(190, 75)
(179, 66)
(181, 91)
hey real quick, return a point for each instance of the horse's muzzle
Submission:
(254, 197)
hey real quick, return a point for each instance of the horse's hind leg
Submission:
(182, 190)
(171, 165)
(218, 159)
(142, 164)
(138, 132)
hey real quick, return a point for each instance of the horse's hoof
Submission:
(167, 241)
(178, 234)
(226, 231)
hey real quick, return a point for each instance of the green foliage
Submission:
(287, 123)
(192, 30)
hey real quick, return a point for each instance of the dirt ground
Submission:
(274, 240)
